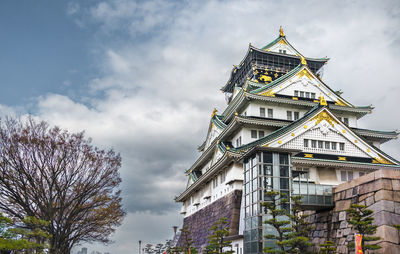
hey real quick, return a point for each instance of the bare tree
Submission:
(61, 178)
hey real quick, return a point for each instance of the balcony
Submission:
(314, 196)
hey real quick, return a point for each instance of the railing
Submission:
(313, 194)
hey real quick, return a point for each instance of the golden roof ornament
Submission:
(322, 101)
(303, 60)
(214, 112)
(281, 33)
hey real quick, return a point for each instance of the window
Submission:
(334, 147)
(239, 141)
(346, 120)
(343, 176)
(361, 173)
(304, 173)
(261, 134)
(223, 176)
(253, 134)
(307, 95)
(312, 95)
(301, 94)
(296, 93)
(262, 112)
(314, 143)
(346, 176)
(341, 146)
(320, 144)
(245, 113)
(305, 142)
(284, 51)
(270, 113)
(289, 115)
(296, 115)
(327, 145)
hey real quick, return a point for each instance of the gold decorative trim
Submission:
(293, 134)
(344, 131)
(322, 101)
(324, 116)
(381, 160)
(368, 150)
(356, 141)
(308, 155)
(342, 158)
(305, 126)
(268, 93)
(283, 42)
(295, 98)
(306, 73)
(340, 103)
(280, 142)
(303, 60)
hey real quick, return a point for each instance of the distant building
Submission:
(284, 129)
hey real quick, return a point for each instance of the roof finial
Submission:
(303, 60)
(214, 112)
(281, 32)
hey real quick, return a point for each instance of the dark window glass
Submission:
(267, 157)
(327, 145)
(270, 113)
(284, 171)
(289, 115)
(283, 159)
(267, 170)
(260, 134)
(341, 146)
(349, 175)
(313, 143)
(346, 120)
(296, 115)
(253, 134)
(343, 175)
(284, 183)
(312, 95)
(334, 147)
(320, 144)
(305, 142)
(262, 112)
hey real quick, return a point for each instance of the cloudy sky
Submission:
(143, 77)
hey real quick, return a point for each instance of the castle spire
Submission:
(281, 33)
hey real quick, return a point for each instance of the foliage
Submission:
(217, 240)
(292, 227)
(28, 236)
(361, 219)
(61, 178)
(298, 241)
(186, 242)
(327, 248)
(278, 220)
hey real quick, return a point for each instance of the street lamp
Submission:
(140, 245)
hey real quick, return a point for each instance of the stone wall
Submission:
(199, 222)
(380, 192)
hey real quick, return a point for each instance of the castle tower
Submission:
(283, 129)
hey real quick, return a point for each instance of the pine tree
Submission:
(361, 219)
(279, 220)
(26, 236)
(298, 237)
(186, 242)
(217, 240)
(327, 248)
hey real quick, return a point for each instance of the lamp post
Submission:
(140, 245)
(175, 229)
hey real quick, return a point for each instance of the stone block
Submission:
(396, 196)
(382, 205)
(369, 200)
(386, 218)
(341, 249)
(342, 216)
(397, 207)
(396, 184)
(383, 194)
(343, 224)
(387, 173)
(388, 248)
(349, 193)
(388, 234)
(339, 233)
(342, 205)
(346, 231)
